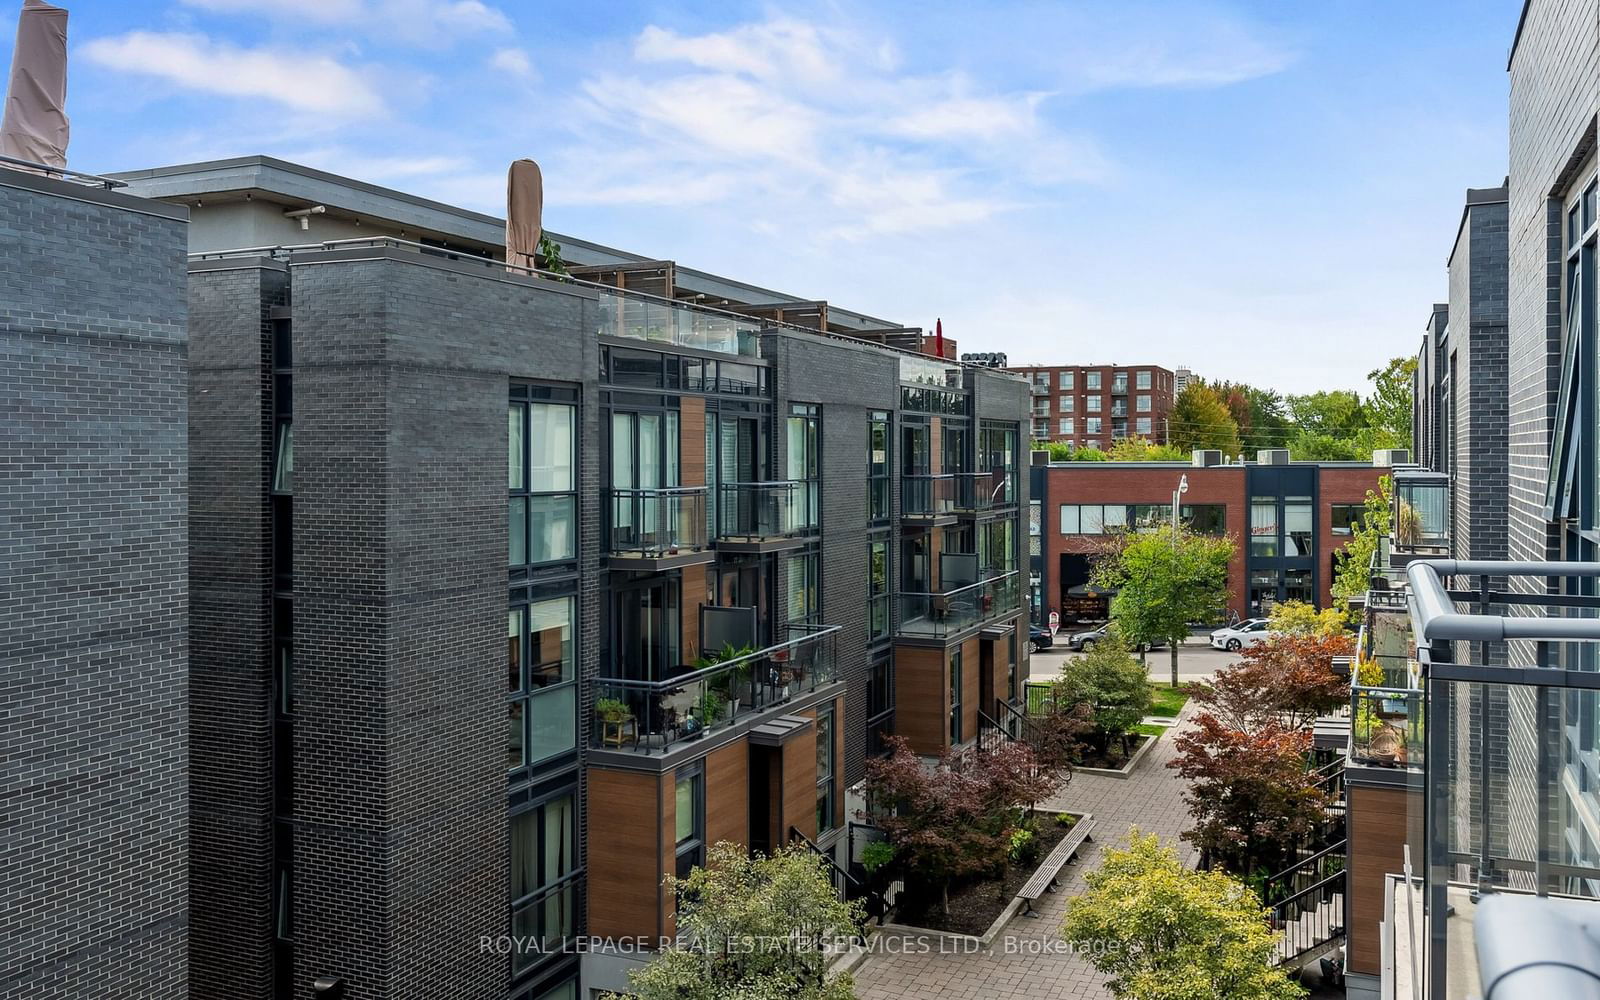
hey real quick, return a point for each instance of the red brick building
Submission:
(1287, 520)
(1095, 405)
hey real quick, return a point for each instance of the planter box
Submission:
(1127, 768)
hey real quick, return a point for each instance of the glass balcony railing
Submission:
(657, 523)
(676, 324)
(654, 716)
(763, 511)
(937, 616)
(927, 496)
(1420, 519)
(1386, 726)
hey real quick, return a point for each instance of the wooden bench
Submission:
(1044, 880)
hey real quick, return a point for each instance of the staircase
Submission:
(1307, 899)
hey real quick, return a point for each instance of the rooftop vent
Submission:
(1205, 458)
(1272, 456)
(1039, 456)
(1391, 457)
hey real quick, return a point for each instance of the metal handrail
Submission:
(704, 673)
(1436, 618)
(64, 173)
(959, 590)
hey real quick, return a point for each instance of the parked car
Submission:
(1085, 640)
(1040, 638)
(1236, 637)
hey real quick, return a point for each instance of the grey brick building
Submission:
(94, 615)
(731, 554)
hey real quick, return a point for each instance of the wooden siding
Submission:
(1377, 825)
(624, 850)
(728, 793)
(922, 692)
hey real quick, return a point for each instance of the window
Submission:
(1263, 527)
(878, 438)
(1070, 519)
(801, 587)
(283, 471)
(880, 707)
(955, 696)
(1142, 403)
(1344, 517)
(644, 459)
(543, 505)
(1091, 380)
(1066, 404)
(1091, 425)
(689, 812)
(1066, 380)
(801, 464)
(542, 682)
(1065, 426)
(1092, 404)
(827, 795)
(544, 861)
(1297, 535)
(1011, 667)
(998, 458)
(1206, 518)
(1297, 586)
(1150, 517)
(1141, 380)
(877, 590)
(1142, 426)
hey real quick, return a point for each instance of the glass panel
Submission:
(525, 854)
(553, 528)
(514, 651)
(1297, 527)
(283, 476)
(517, 529)
(684, 809)
(1069, 519)
(1264, 528)
(516, 449)
(516, 733)
(649, 451)
(672, 444)
(554, 727)
(1093, 520)
(560, 839)
(550, 659)
(551, 437)
(1116, 516)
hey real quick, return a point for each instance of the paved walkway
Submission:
(1028, 958)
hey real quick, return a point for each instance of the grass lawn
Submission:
(1169, 701)
(1146, 730)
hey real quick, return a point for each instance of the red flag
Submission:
(938, 337)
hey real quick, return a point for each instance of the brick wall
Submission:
(1478, 396)
(94, 617)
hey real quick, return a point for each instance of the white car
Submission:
(1236, 637)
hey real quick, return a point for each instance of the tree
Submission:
(1353, 563)
(1389, 406)
(1138, 449)
(1300, 618)
(1336, 413)
(1250, 794)
(1286, 680)
(1106, 685)
(1163, 582)
(1163, 932)
(754, 927)
(1201, 420)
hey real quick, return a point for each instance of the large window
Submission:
(1141, 380)
(877, 589)
(644, 458)
(800, 582)
(1297, 534)
(1100, 519)
(1344, 517)
(1142, 403)
(544, 863)
(955, 696)
(1092, 404)
(1264, 527)
(1091, 425)
(880, 707)
(998, 457)
(542, 477)
(802, 463)
(1067, 404)
(689, 812)
(542, 682)
(1066, 380)
(878, 438)
(827, 792)
(1142, 426)
(1065, 426)
(1091, 380)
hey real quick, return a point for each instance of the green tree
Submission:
(1338, 413)
(1300, 618)
(1352, 563)
(1389, 406)
(1163, 582)
(1138, 449)
(1110, 683)
(1163, 932)
(1200, 419)
(754, 927)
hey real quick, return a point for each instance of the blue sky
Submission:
(1260, 191)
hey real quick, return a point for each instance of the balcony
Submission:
(928, 498)
(634, 316)
(658, 716)
(653, 530)
(957, 612)
(1420, 519)
(1119, 387)
(766, 516)
(1040, 388)
(1386, 698)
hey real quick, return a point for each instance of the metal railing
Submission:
(62, 173)
(656, 715)
(946, 614)
(1310, 919)
(927, 495)
(777, 509)
(677, 324)
(658, 522)
(1386, 726)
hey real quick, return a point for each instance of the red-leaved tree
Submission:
(1286, 680)
(1251, 794)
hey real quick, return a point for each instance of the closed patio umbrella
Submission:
(524, 211)
(34, 126)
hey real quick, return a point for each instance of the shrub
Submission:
(1285, 679)
(1111, 683)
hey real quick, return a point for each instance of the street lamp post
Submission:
(1177, 497)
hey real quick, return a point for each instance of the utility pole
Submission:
(1177, 498)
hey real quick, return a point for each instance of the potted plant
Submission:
(612, 710)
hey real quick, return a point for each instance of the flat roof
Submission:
(299, 183)
(1232, 466)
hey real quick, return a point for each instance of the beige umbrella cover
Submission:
(35, 125)
(524, 211)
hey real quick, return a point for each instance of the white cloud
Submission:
(1178, 46)
(427, 23)
(513, 61)
(776, 49)
(303, 81)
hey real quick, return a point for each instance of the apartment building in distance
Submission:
(524, 591)
(94, 622)
(1094, 406)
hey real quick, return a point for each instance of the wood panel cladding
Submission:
(691, 441)
(691, 597)
(626, 848)
(922, 698)
(1377, 827)
(799, 793)
(971, 670)
(728, 793)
